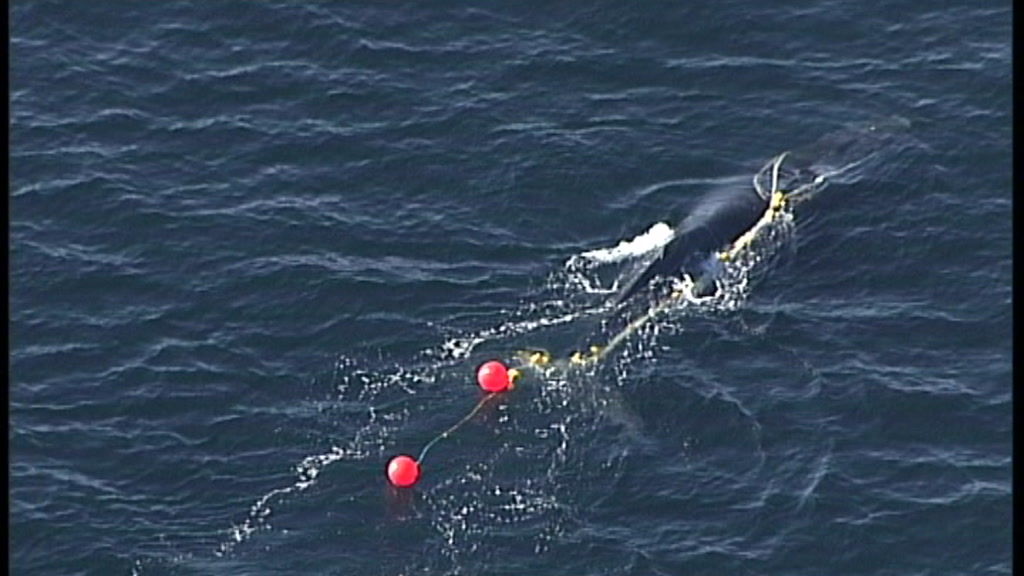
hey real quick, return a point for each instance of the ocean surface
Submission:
(260, 248)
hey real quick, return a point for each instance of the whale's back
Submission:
(719, 218)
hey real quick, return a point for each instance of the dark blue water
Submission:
(257, 249)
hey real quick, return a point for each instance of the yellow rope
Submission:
(775, 206)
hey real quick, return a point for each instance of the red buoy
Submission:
(403, 471)
(493, 376)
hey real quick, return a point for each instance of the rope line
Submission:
(456, 426)
(776, 202)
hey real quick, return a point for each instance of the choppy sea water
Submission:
(257, 249)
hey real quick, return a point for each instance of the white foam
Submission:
(461, 347)
(656, 237)
(466, 505)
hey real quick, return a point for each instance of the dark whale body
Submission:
(719, 218)
(723, 215)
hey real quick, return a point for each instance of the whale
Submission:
(725, 214)
(717, 220)
(725, 220)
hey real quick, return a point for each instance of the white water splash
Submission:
(460, 347)
(469, 503)
(369, 440)
(657, 236)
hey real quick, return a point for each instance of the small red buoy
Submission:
(493, 376)
(403, 471)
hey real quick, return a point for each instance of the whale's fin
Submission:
(665, 265)
(640, 282)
